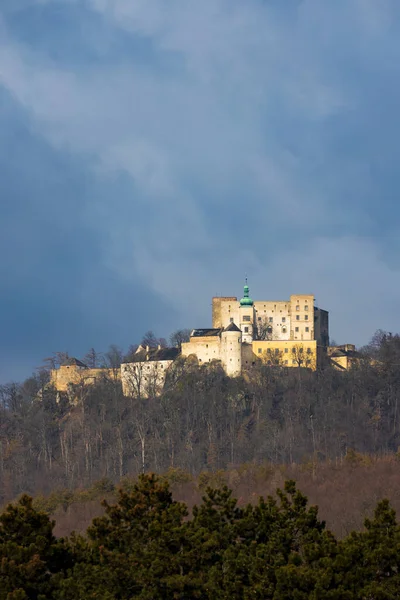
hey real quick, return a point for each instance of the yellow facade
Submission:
(343, 357)
(66, 375)
(288, 353)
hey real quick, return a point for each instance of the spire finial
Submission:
(246, 301)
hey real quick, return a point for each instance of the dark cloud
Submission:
(153, 153)
(57, 291)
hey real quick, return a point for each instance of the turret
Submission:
(246, 316)
(231, 350)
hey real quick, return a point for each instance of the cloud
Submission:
(215, 139)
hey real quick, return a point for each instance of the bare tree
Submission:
(129, 356)
(265, 330)
(178, 337)
(93, 359)
(149, 339)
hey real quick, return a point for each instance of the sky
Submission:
(153, 154)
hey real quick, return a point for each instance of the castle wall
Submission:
(273, 319)
(288, 353)
(321, 326)
(65, 375)
(291, 319)
(206, 348)
(223, 310)
(302, 317)
(144, 379)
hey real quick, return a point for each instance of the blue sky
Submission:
(152, 153)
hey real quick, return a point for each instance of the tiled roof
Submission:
(73, 362)
(206, 332)
(155, 354)
(232, 327)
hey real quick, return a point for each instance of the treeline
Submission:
(202, 421)
(146, 547)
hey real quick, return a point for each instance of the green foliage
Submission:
(32, 560)
(145, 547)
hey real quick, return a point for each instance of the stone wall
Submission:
(144, 379)
(65, 375)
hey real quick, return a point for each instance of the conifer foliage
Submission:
(146, 546)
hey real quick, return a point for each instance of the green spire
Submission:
(246, 300)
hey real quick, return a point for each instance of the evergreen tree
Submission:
(32, 560)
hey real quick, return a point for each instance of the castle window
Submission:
(306, 306)
(269, 329)
(283, 329)
(301, 350)
(293, 362)
(246, 318)
(306, 317)
(259, 351)
(283, 319)
(259, 318)
(308, 350)
(307, 329)
(297, 307)
(276, 350)
(286, 362)
(271, 320)
(206, 345)
(231, 320)
(246, 330)
(296, 329)
(297, 317)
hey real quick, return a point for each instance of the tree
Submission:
(265, 330)
(135, 550)
(179, 336)
(32, 560)
(113, 359)
(93, 359)
(129, 356)
(149, 339)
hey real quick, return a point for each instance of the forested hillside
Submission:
(146, 547)
(203, 421)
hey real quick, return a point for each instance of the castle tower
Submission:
(247, 316)
(231, 350)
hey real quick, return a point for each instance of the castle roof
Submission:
(246, 300)
(232, 327)
(73, 362)
(206, 332)
(155, 354)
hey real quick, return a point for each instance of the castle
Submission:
(288, 333)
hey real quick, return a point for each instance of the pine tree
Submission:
(32, 560)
